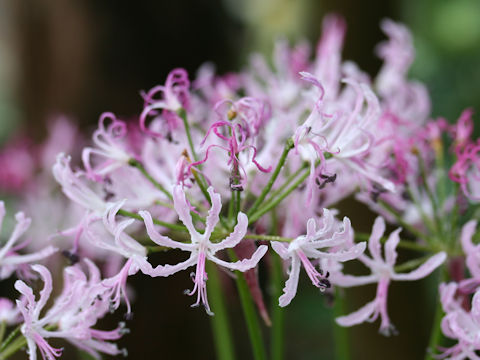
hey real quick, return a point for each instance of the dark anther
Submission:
(234, 184)
(325, 284)
(72, 257)
(377, 190)
(326, 180)
(108, 195)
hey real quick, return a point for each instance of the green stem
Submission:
(155, 221)
(278, 314)
(10, 337)
(3, 327)
(418, 234)
(436, 333)
(183, 115)
(268, 238)
(402, 244)
(251, 318)
(274, 202)
(220, 323)
(16, 345)
(276, 172)
(340, 333)
(139, 166)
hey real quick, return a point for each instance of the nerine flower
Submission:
(106, 138)
(9, 259)
(460, 324)
(382, 272)
(330, 235)
(201, 247)
(174, 96)
(75, 311)
(236, 145)
(472, 253)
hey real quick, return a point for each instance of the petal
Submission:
(281, 249)
(350, 281)
(342, 255)
(46, 291)
(159, 239)
(290, 289)
(242, 265)
(28, 258)
(183, 210)
(213, 213)
(423, 270)
(466, 238)
(235, 237)
(357, 317)
(311, 228)
(167, 270)
(374, 245)
(391, 246)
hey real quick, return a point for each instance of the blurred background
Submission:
(83, 57)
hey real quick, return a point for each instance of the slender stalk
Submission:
(16, 345)
(402, 244)
(436, 333)
(288, 181)
(418, 234)
(340, 333)
(268, 238)
(3, 327)
(155, 221)
(10, 337)
(139, 166)
(220, 323)
(251, 317)
(278, 313)
(273, 177)
(183, 114)
(274, 202)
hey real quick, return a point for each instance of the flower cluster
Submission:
(243, 169)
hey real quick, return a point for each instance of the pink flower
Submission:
(331, 234)
(174, 96)
(236, 144)
(382, 272)
(9, 259)
(73, 314)
(201, 247)
(9, 314)
(460, 325)
(472, 253)
(108, 147)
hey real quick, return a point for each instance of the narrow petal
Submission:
(280, 249)
(242, 265)
(423, 270)
(46, 291)
(466, 238)
(374, 245)
(357, 317)
(290, 289)
(350, 281)
(213, 213)
(343, 255)
(391, 247)
(167, 270)
(159, 239)
(235, 237)
(183, 210)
